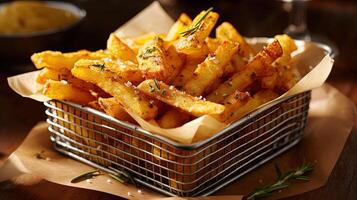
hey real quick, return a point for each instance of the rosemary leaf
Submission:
(281, 183)
(194, 27)
(85, 176)
(157, 84)
(101, 66)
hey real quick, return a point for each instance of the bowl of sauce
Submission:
(27, 27)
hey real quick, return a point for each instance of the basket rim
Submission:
(169, 141)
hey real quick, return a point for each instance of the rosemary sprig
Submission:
(157, 84)
(299, 174)
(194, 27)
(101, 66)
(85, 176)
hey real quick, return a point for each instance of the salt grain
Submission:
(109, 181)
(89, 181)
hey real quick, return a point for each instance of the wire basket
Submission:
(175, 169)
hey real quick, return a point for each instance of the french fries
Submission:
(260, 66)
(153, 61)
(193, 38)
(179, 99)
(126, 70)
(57, 60)
(65, 91)
(226, 31)
(113, 108)
(166, 78)
(183, 22)
(120, 50)
(114, 85)
(211, 69)
(258, 99)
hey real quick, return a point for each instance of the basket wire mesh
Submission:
(171, 168)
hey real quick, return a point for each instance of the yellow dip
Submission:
(32, 16)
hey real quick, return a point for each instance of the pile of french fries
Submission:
(170, 79)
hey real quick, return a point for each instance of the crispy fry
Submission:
(173, 118)
(194, 37)
(183, 22)
(259, 67)
(153, 62)
(47, 74)
(119, 49)
(212, 44)
(211, 69)
(258, 99)
(113, 108)
(62, 90)
(226, 31)
(179, 99)
(288, 45)
(187, 72)
(176, 61)
(232, 103)
(124, 93)
(124, 69)
(56, 60)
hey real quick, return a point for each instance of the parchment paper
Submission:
(331, 118)
(155, 19)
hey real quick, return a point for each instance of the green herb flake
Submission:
(152, 89)
(101, 66)
(194, 27)
(157, 84)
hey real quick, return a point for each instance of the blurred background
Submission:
(334, 21)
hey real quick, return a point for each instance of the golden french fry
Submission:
(232, 103)
(187, 72)
(212, 44)
(176, 61)
(62, 90)
(119, 49)
(124, 69)
(113, 108)
(179, 99)
(48, 74)
(183, 22)
(226, 31)
(57, 60)
(211, 69)
(259, 67)
(261, 97)
(128, 97)
(288, 45)
(173, 118)
(153, 61)
(194, 37)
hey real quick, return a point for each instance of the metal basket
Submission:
(172, 168)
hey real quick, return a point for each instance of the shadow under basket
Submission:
(171, 168)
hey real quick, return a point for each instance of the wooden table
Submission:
(19, 115)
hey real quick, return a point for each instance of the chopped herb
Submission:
(194, 27)
(163, 92)
(152, 89)
(282, 178)
(148, 53)
(157, 84)
(101, 66)
(86, 176)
